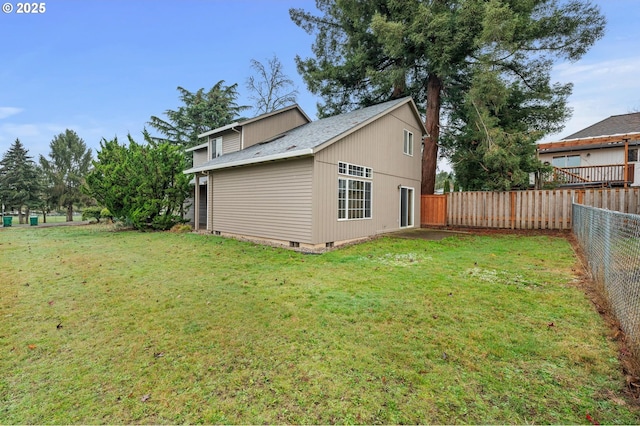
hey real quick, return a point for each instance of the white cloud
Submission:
(606, 79)
(9, 111)
(601, 89)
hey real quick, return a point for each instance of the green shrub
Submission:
(106, 214)
(91, 213)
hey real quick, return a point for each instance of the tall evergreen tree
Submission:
(369, 51)
(19, 180)
(65, 171)
(492, 132)
(201, 111)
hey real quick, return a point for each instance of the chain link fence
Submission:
(611, 243)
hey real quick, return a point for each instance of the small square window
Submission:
(633, 154)
(342, 168)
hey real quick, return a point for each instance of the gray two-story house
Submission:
(287, 180)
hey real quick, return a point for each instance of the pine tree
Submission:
(201, 111)
(370, 51)
(19, 180)
(65, 171)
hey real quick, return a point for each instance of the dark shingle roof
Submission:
(614, 125)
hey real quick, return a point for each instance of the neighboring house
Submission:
(316, 184)
(604, 154)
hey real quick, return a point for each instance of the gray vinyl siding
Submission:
(269, 127)
(190, 215)
(200, 157)
(379, 146)
(271, 200)
(230, 142)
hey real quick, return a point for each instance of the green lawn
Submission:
(126, 327)
(50, 219)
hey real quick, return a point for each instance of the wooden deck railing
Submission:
(614, 174)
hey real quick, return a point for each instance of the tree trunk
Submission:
(20, 216)
(432, 123)
(44, 215)
(70, 213)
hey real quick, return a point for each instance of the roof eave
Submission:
(584, 143)
(249, 161)
(197, 147)
(219, 129)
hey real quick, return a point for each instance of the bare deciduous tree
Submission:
(271, 88)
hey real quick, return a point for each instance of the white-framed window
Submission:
(215, 147)
(406, 207)
(354, 195)
(633, 155)
(408, 143)
(354, 170)
(354, 199)
(566, 161)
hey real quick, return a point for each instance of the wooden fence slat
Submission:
(433, 210)
(544, 209)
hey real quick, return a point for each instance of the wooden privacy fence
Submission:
(542, 209)
(433, 210)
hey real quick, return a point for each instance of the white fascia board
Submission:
(219, 129)
(197, 147)
(246, 161)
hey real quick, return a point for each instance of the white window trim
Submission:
(367, 171)
(351, 170)
(215, 143)
(413, 210)
(346, 200)
(407, 142)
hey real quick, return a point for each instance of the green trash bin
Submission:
(6, 220)
(33, 220)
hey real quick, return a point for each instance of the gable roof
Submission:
(612, 132)
(251, 120)
(307, 139)
(614, 125)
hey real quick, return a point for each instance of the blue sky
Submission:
(103, 67)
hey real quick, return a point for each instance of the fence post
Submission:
(512, 196)
(607, 249)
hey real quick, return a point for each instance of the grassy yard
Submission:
(57, 218)
(126, 327)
